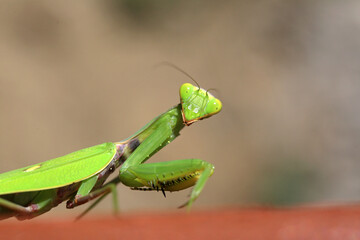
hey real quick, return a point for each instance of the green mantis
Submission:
(80, 176)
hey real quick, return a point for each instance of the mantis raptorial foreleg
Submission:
(165, 176)
(171, 176)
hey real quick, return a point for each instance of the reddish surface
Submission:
(342, 222)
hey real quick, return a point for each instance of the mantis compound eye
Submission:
(186, 90)
(213, 107)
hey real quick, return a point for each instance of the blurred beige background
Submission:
(78, 73)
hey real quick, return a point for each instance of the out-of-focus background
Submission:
(78, 73)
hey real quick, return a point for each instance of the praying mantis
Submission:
(80, 176)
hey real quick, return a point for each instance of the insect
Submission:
(80, 176)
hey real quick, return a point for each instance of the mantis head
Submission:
(197, 103)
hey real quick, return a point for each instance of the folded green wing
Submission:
(58, 172)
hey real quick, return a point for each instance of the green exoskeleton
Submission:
(80, 176)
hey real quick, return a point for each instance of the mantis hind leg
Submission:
(9, 207)
(40, 203)
(169, 176)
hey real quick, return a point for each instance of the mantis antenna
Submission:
(169, 64)
(213, 90)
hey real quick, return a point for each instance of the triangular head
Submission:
(197, 103)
